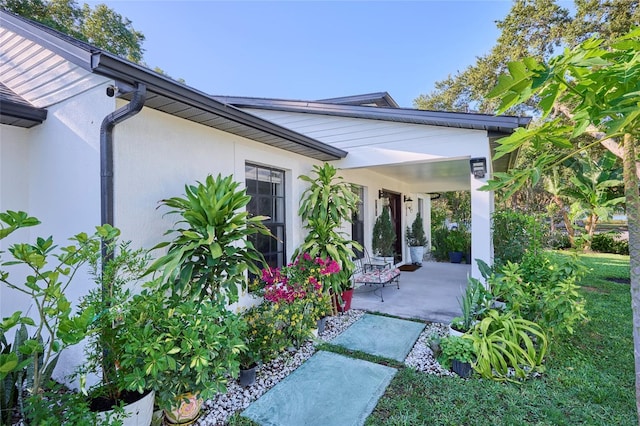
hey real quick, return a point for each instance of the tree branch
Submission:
(609, 143)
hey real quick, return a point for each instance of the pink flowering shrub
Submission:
(295, 292)
(297, 279)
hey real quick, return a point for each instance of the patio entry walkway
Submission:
(429, 293)
(336, 390)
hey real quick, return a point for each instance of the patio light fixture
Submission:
(478, 167)
(382, 194)
(409, 201)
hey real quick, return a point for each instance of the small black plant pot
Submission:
(462, 369)
(322, 322)
(247, 376)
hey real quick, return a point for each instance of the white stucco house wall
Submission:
(89, 138)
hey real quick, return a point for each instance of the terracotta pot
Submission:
(186, 412)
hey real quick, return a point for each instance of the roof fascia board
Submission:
(378, 98)
(25, 112)
(400, 114)
(52, 40)
(113, 67)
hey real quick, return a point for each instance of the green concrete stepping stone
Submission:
(327, 390)
(382, 336)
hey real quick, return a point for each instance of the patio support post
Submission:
(482, 205)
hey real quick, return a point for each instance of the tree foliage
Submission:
(595, 86)
(100, 26)
(536, 29)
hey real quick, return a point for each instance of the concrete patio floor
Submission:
(429, 293)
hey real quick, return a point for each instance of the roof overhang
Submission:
(169, 96)
(493, 123)
(15, 111)
(495, 126)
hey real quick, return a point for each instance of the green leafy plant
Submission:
(456, 240)
(13, 364)
(260, 336)
(439, 248)
(543, 289)
(175, 345)
(415, 234)
(455, 348)
(210, 255)
(609, 242)
(50, 272)
(384, 234)
(508, 348)
(514, 234)
(474, 303)
(58, 406)
(325, 206)
(113, 273)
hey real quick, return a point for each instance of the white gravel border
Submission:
(217, 410)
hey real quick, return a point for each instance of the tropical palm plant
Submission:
(595, 191)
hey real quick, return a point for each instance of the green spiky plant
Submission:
(325, 206)
(211, 252)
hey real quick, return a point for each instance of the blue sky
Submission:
(312, 50)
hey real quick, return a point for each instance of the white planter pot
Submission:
(138, 413)
(382, 259)
(417, 254)
(453, 332)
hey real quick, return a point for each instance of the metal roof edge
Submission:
(62, 44)
(111, 66)
(376, 97)
(398, 114)
(22, 111)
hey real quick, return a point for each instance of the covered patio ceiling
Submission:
(451, 174)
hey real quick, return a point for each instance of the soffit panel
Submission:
(39, 75)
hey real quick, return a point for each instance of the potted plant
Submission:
(456, 244)
(474, 304)
(202, 272)
(416, 240)
(508, 348)
(457, 353)
(113, 271)
(384, 236)
(183, 348)
(325, 206)
(255, 334)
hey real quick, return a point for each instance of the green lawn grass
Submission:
(589, 378)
